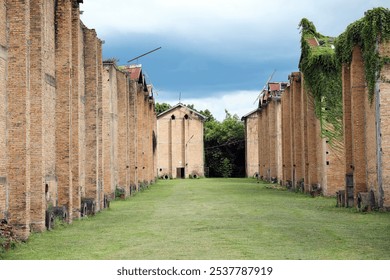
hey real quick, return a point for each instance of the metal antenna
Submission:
(265, 87)
(144, 54)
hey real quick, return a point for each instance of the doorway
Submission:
(180, 173)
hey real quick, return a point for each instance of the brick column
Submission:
(78, 121)
(99, 66)
(64, 103)
(348, 126)
(123, 133)
(37, 71)
(91, 114)
(304, 132)
(272, 139)
(109, 127)
(18, 137)
(383, 93)
(260, 143)
(3, 111)
(312, 138)
(358, 95)
(286, 136)
(140, 140)
(297, 124)
(133, 132)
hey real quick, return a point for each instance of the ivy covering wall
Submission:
(321, 63)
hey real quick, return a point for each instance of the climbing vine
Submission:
(367, 33)
(322, 76)
(322, 58)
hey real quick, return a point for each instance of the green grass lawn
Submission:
(211, 219)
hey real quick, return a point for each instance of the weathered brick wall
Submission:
(278, 141)
(151, 116)
(123, 132)
(252, 144)
(99, 64)
(383, 194)
(91, 116)
(261, 136)
(304, 133)
(49, 104)
(370, 142)
(335, 172)
(78, 113)
(140, 132)
(180, 143)
(18, 135)
(312, 137)
(38, 72)
(358, 95)
(297, 122)
(164, 146)
(110, 127)
(286, 136)
(3, 110)
(133, 135)
(271, 147)
(63, 103)
(52, 112)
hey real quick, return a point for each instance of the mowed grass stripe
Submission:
(216, 219)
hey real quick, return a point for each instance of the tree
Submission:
(162, 107)
(225, 146)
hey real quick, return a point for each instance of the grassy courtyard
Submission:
(216, 219)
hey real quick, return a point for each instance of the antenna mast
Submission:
(144, 54)
(265, 87)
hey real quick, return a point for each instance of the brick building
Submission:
(264, 135)
(352, 165)
(69, 124)
(180, 143)
(367, 133)
(310, 163)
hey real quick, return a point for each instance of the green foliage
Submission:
(366, 33)
(322, 76)
(162, 107)
(225, 146)
(321, 65)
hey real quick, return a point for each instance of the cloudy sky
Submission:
(215, 54)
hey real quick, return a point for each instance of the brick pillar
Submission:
(123, 133)
(150, 132)
(133, 132)
(91, 116)
(297, 124)
(3, 111)
(279, 140)
(64, 103)
(272, 139)
(99, 64)
(78, 122)
(348, 129)
(18, 137)
(383, 91)
(312, 138)
(371, 142)
(37, 71)
(109, 128)
(304, 132)
(260, 143)
(286, 136)
(140, 140)
(358, 95)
